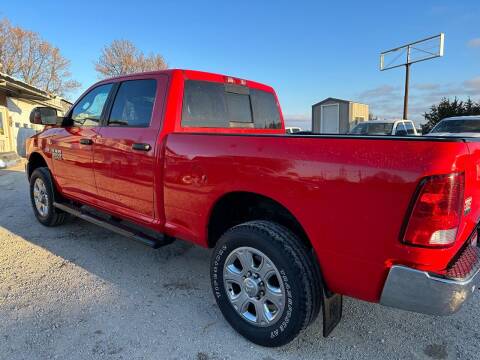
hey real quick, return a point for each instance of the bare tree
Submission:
(8, 56)
(122, 57)
(25, 55)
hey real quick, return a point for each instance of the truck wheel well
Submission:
(239, 207)
(35, 161)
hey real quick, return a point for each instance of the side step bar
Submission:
(115, 226)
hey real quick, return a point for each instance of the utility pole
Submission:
(407, 81)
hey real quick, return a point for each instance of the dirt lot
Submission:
(81, 292)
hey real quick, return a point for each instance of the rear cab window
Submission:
(379, 128)
(229, 107)
(400, 126)
(410, 128)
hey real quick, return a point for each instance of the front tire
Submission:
(42, 197)
(265, 282)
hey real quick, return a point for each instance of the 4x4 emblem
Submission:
(57, 154)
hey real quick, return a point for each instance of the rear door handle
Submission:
(141, 147)
(86, 141)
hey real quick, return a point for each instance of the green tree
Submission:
(447, 108)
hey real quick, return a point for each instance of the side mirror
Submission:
(401, 132)
(44, 116)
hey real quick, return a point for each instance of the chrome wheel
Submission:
(254, 286)
(40, 197)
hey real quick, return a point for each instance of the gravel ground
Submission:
(80, 292)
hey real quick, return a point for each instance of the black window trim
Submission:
(109, 104)
(69, 122)
(111, 100)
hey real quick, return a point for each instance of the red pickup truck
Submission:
(296, 221)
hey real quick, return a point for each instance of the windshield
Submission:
(457, 126)
(372, 128)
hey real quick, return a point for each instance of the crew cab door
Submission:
(72, 146)
(126, 153)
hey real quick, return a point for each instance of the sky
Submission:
(306, 50)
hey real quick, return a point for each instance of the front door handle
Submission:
(141, 147)
(86, 141)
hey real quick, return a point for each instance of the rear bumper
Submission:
(427, 293)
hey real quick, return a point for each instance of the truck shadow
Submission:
(166, 294)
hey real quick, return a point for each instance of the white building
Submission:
(17, 99)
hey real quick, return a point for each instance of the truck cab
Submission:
(112, 138)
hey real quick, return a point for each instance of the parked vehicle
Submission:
(385, 127)
(463, 126)
(296, 221)
(292, 129)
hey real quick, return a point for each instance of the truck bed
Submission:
(355, 193)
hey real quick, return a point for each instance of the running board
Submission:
(115, 226)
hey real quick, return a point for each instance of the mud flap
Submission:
(332, 305)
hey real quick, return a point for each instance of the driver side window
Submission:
(89, 109)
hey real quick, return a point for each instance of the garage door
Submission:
(330, 119)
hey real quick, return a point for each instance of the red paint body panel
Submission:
(350, 195)
(74, 173)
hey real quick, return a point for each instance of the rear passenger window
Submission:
(209, 104)
(133, 103)
(400, 127)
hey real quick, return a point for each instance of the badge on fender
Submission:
(57, 154)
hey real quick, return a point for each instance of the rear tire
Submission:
(245, 260)
(42, 197)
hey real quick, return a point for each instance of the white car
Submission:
(292, 129)
(462, 126)
(385, 127)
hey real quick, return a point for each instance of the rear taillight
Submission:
(437, 211)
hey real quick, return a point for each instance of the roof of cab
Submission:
(194, 74)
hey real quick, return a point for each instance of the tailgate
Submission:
(472, 186)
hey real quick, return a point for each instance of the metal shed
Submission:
(337, 116)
